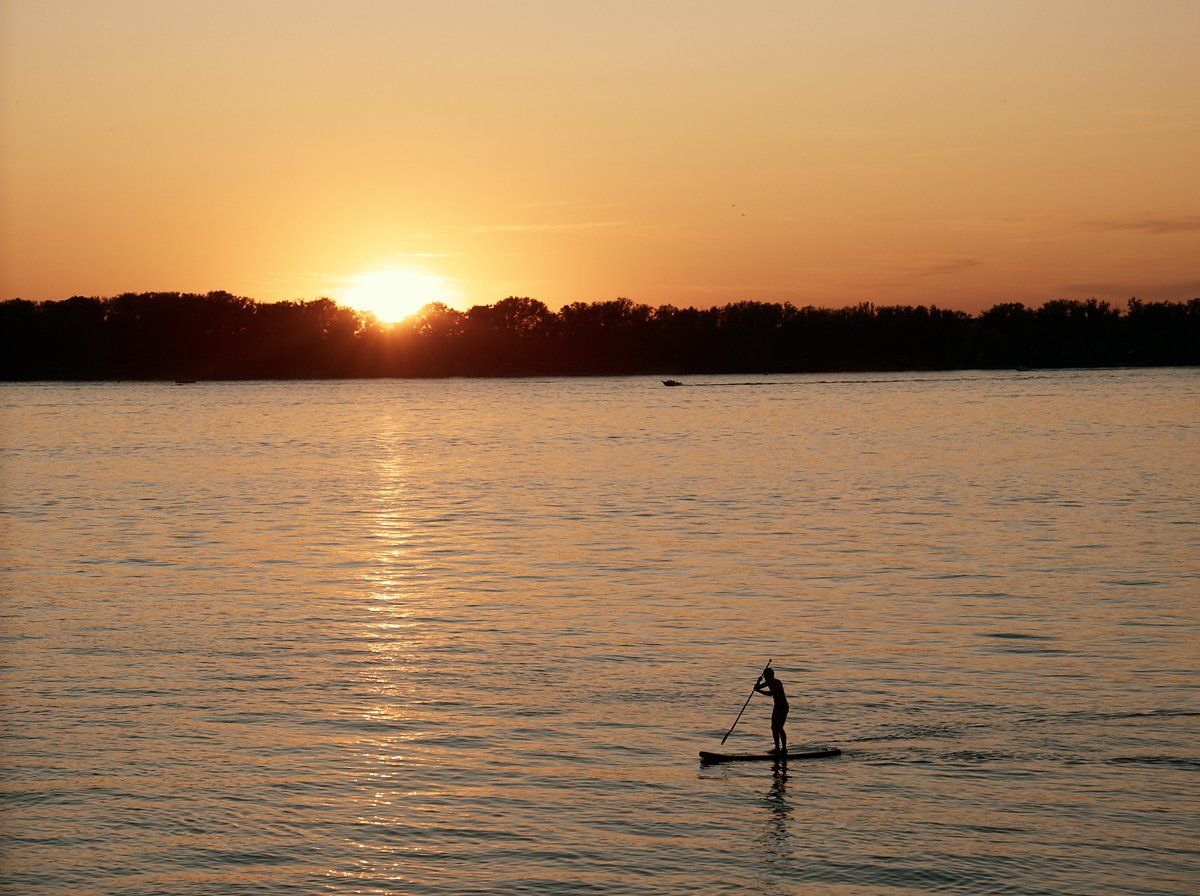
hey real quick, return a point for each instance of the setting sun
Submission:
(393, 295)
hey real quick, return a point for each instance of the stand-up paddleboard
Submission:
(707, 757)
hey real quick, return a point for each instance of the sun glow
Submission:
(392, 295)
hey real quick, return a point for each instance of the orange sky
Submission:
(688, 152)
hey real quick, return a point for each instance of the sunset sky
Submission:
(686, 153)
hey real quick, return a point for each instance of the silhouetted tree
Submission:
(221, 336)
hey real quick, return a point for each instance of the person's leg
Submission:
(782, 733)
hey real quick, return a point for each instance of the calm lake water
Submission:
(466, 637)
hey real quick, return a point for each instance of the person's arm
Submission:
(760, 688)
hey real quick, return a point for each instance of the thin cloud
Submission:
(1151, 225)
(1186, 289)
(894, 274)
(738, 288)
(565, 203)
(547, 228)
(953, 266)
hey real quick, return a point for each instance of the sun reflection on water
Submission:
(390, 633)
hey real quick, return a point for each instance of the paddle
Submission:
(747, 703)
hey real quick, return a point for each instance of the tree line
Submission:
(183, 336)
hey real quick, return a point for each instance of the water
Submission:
(462, 637)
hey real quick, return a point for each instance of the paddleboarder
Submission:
(772, 687)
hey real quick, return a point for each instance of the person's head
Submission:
(768, 674)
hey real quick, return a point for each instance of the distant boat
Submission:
(671, 383)
(184, 382)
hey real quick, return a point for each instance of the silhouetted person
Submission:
(771, 686)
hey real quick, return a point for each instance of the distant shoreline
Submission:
(180, 337)
(766, 381)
